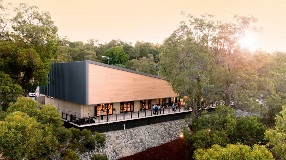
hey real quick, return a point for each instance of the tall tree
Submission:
(203, 61)
(116, 55)
(144, 64)
(142, 49)
(102, 48)
(28, 44)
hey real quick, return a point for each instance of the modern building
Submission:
(91, 89)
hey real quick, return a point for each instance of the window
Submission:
(127, 107)
(108, 107)
(146, 104)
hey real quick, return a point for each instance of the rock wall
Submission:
(130, 141)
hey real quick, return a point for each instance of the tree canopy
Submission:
(204, 63)
(28, 42)
(33, 131)
(234, 151)
(277, 135)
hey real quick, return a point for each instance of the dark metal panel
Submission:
(67, 81)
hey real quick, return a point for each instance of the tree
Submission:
(142, 49)
(116, 55)
(277, 135)
(21, 137)
(202, 60)
(249, 131)
(234, 151)
(28, 44)
(9, 91)
(144, 64)
(213, 128)
(42, 133)
(222, 127)
(102, 48)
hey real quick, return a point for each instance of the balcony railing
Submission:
(73, 119)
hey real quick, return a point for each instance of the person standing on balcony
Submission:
(153, 108)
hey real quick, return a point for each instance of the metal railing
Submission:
(73, 119)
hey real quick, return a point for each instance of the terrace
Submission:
(125, 116)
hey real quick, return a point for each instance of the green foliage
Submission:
(25, 105)
(232, 151)
(143, 49)
(222, 127)
(85, 140)
(277, 136)
(21, 137)
(28, 42)
(9, 91)
(249, 131)
(99, 157)
(116, 55)
(203, 61)
(36, 131)
(70, 155)
(144, 64)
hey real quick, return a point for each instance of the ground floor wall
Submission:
(70, 109)
(131, 141)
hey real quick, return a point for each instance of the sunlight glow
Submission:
(249, 41)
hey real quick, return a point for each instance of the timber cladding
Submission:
(108, 85)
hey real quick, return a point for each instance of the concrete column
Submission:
(136, 106)
(117, 108)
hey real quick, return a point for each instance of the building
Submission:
(92, 89)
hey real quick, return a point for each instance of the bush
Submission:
(222, 127)
(233, 151)
(70, 155)
(99, 157)
(277, 135)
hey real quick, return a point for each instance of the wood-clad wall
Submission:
(107, 85)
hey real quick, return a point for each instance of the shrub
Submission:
(234, 151)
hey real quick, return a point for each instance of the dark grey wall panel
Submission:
(67, 81)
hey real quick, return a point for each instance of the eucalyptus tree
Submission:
(30, 130)
(28, 42)
(203, 61)
(116, 56)
(142, 49)
(144, 64)
(102, 48)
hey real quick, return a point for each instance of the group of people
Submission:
(175, 106)
(156, 109)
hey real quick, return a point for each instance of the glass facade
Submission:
(127, 106)
(106, 108)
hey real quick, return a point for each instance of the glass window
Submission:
(127, 106)
(108, 107)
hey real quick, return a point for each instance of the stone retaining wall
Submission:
(130, 141)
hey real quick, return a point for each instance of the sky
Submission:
(155, 20)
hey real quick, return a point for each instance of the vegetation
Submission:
(34, 131)
(277, 136)
(9, 91)
(234, 151)
(222, 127)
(28, 42)
(202, 60)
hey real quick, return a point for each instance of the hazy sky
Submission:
(155, 20)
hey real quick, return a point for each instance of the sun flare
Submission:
(249, 41)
